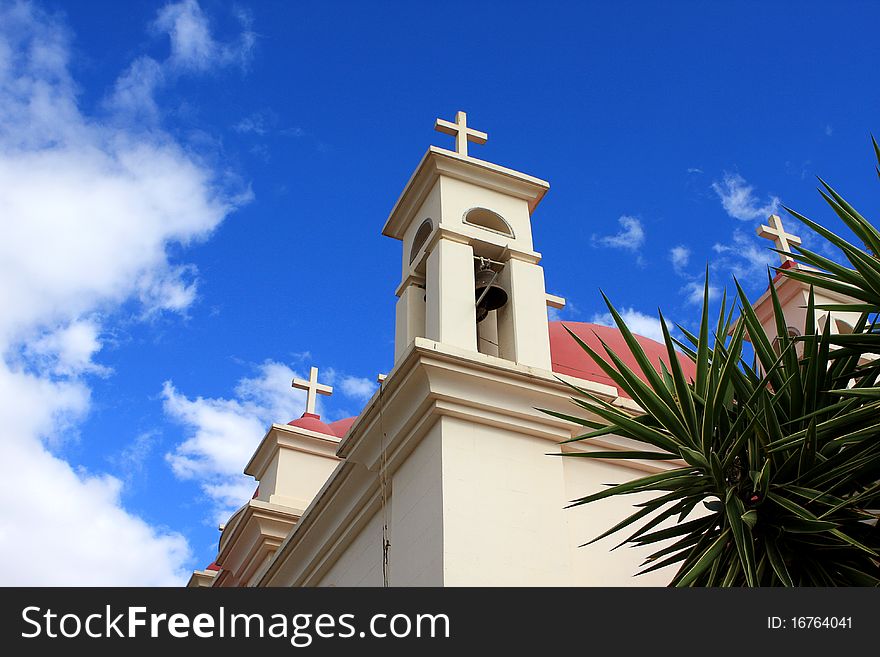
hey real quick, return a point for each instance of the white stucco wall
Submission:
(416, 557)
(361, 563)
(502, 516)
(596, 564)
(414, 513)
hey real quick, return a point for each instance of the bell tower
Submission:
(470, 277)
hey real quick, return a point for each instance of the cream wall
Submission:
(474, 505)
(361, 563)
(415, 517)
(303, 474)
(416, 514)
(596, 564)
(460, 196)
(505, 519)
(430, 209)
(502, 517)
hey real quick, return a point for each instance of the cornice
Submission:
(294, 438)
(441, 162)
(254, 511)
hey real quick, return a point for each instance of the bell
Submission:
(489, 294)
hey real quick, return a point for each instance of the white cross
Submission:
(461, 132)
(776, 232)
(313, 389)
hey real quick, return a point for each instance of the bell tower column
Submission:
(450, 314)
(410, 317)
(524, 318)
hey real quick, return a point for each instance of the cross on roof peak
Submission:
(776, 232)
(312, 388)
(461, 132)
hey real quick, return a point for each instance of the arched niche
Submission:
(485, 218)
(421, 237)
(792, 334)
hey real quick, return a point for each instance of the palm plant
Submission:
(777, 479)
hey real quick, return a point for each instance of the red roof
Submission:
(341, 427)
(788, 264)
(313, 422)
(213, 566)
(567, 356)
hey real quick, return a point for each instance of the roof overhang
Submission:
(441, 162)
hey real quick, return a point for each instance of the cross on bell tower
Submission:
(461, 132)
(313, 389)
(776, 232)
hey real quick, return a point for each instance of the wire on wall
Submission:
(383, 486)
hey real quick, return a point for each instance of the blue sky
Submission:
(192, 194)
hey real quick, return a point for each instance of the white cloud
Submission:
(193, 50)
(569, 311)
(63, 526)
(171, 288)
(132, 457)
(135, 89)
(115, 203)
(357, 387)
(272, 392)
(694, 291)
(68, 350)
(631, 236)
(694, 170)
(222, 434)
(829, 130)
(89, 210)
(258, 123)
(738, 199)
(680, 256)
(254, 124)
(745, 259)
(637, 322)
(192, 45)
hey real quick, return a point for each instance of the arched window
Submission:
(489, 220)
(421, 237)
(792, 333)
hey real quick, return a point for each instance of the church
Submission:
(450, 475)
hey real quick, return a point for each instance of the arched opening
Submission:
(421, 237)
(839, 326)
(792, 334)
(489, 220)
(843, 327)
